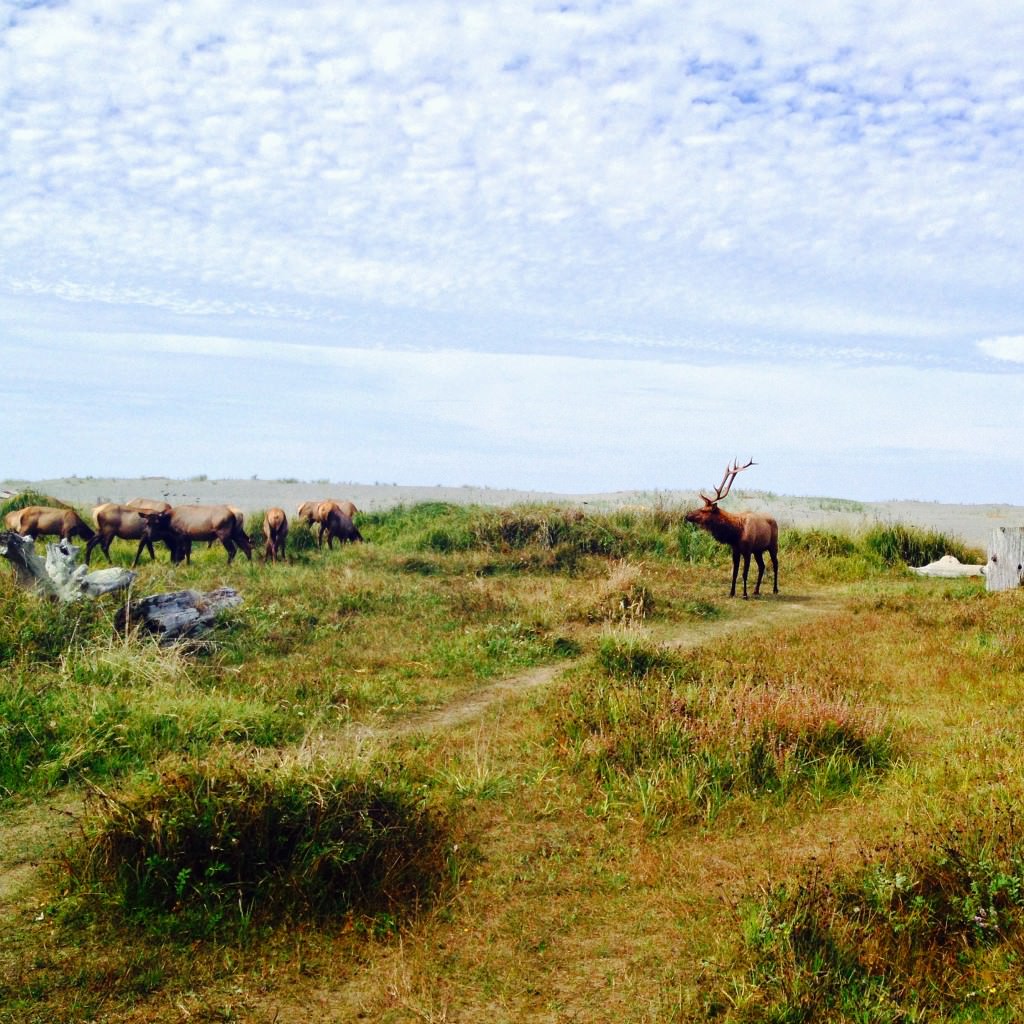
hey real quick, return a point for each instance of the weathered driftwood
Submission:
(948, 567)
(58, 575)
(183, 613)
(1005, 569)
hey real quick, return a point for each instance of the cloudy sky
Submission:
(573, 246)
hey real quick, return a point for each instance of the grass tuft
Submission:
(224, 841)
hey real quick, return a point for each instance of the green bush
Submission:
(227, 841)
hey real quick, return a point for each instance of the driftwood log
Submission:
(948, 567)
(58, 575)
(1005, 569)
(181, 613)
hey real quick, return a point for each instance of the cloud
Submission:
(780, 194)
(1009, 348)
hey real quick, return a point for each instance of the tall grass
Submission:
(644, 722)
(898, 544)
(225, 841)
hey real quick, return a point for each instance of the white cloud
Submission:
(830, 184)
(1009, 348)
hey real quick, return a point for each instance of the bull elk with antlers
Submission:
(747, 533)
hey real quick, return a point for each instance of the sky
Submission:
(564, 246)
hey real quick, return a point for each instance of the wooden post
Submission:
(1005, 569)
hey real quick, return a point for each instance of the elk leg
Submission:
(138, 554)
(775, 569)
(735, 570)
(229, 546)
(746, 572)
(242, 541)
(759, 558)
(90, 544)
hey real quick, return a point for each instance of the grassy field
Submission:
(519, 765)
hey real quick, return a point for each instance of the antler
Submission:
(730, 474)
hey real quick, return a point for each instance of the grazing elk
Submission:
(275, 532)
(336, 524)
(318, 511)
(42, 520)
(113, 520)
(747, 533)
(181, 525)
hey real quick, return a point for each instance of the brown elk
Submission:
(42, 520)
(337, 524)
(275, 532)
(318, 512)
(183, 524)
(747, 533)
(113, 520)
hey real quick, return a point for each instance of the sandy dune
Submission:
(971, 523)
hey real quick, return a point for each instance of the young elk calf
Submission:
(747, 533)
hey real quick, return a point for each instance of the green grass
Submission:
(652, 835)
(226, 844)
(921, 927)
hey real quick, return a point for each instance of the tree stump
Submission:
(1005, 569)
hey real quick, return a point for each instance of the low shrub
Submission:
(225, 841)
(904, 934)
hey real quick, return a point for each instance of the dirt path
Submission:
(29, 835)
(774, 613)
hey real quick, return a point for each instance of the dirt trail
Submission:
(28, 836)
(774, 613)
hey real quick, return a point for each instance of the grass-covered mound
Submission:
(665, 738)
(568, 533)
(224, 840)
(920, 927)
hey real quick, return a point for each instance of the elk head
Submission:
(711, 513)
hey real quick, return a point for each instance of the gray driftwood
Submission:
(1005, 569)
(183, 613)
(58, 575)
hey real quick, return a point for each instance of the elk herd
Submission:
(148, 521)
(748, 534)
